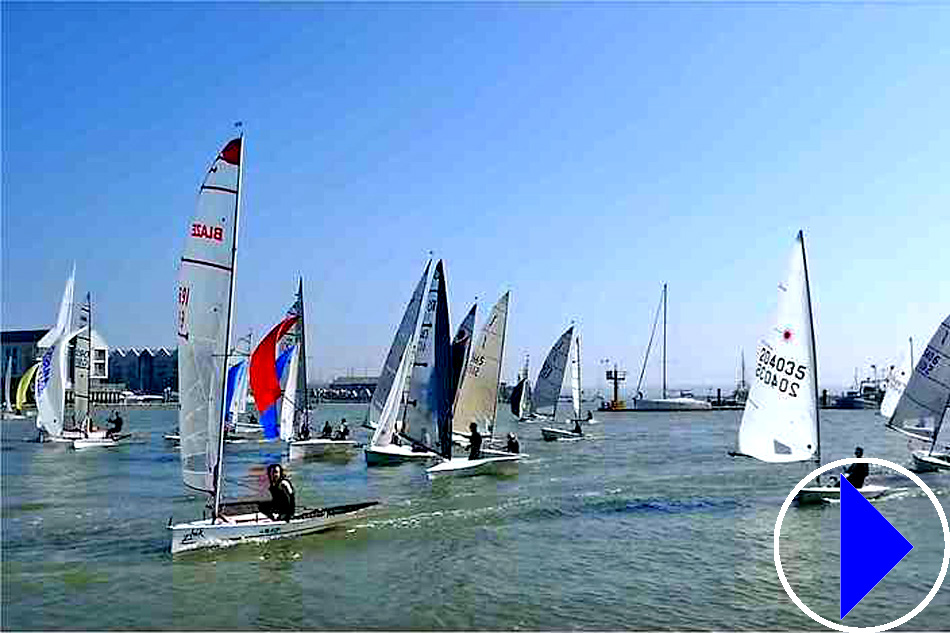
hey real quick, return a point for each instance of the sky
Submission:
(578, 155)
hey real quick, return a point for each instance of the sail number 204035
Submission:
(779, 373)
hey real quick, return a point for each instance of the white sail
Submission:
(64, 321)
(897, 379)
(51, 387)
(204, 305)
(780, 420)
(547, 388)
(7, 392)
(928, 391)
(477, 397)
(576, 377)
(239, 399)
(405, 334)
(288, 401)
(386, 423)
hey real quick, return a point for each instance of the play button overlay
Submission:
(870, 546)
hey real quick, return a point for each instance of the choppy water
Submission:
(648, 524)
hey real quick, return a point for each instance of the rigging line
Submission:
(646, 357)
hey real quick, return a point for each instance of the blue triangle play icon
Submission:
(870, 547)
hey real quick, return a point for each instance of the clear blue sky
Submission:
(579, 155)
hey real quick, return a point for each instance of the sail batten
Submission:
(780, 420)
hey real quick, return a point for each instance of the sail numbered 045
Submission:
(927, 394)
(780, 420)
(204, 304)
(477, 396)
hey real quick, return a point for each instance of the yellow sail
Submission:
(24, 385)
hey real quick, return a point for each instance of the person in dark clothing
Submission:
(590, 416)
(856, 473)
(282, 505)
(115, 424)
(327, 432)
(577, 427)
(512, 446)
(305, 430)
(343, 432)
(475, 442)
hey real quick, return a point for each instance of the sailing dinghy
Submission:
(390, 399)
(477, 401)
(780, 422)
(521, 398)
(924, 401)
(205, 306)
(552, 434)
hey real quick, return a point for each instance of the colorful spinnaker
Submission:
(265, 377)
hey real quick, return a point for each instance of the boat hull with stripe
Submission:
(552, 435)
(821, 494)
(392, 455)
(462, 467)
(928, 462)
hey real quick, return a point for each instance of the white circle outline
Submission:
(861, 629)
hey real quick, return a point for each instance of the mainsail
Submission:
(24, 386)
(236, 397)
(428, 408)
(927, 394)
(460, 347)
(477, 397)
(897, 379)
(64, 321)
(780, 420)
(205, 298)
(301, 399)
(51, 387)
(82, 364)
(404, 336)
(384, 407)
(265, 377)
(547, 389)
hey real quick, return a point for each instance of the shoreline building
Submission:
(145, 370)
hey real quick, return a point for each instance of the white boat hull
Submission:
(924, 461)
(462, 467)
(256, 527)
(820, 494)
(552, 435)
(393, 455)
(304, 449)
(672, 404)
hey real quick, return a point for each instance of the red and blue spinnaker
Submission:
(266, 372)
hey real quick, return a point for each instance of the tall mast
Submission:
(814, 355)
(501, 360)
(911, 341)
(664, 341)
(302, 364)
(89, 365)
(219, 464)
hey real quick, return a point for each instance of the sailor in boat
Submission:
(577, 427)
(282, 505)
(343, 433)
(475, 442)
(397, 429)
(305, 430)
(512, 446)
(327, 431)
(115, 424)
(590, 416)
(855, 473)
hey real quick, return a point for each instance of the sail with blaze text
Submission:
(204, 311)
(265, 378)
(780, 420)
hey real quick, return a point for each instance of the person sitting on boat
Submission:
(343, 432)
(282, 505)
(305, 430)
(327, 432)
(856, 473)
(577, 428)
(475, 442)
(512, 446)
(397, 429)
(115, 424)
(590, 416)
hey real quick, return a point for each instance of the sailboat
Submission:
(521, 398)
(23, 387)
(8, 412)
(780, 422)
(551, 434)
(547, 388)
(477, 401)
(665, 403)
(895, 384)
(924, 402)
(390, 396)
(205, 307)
